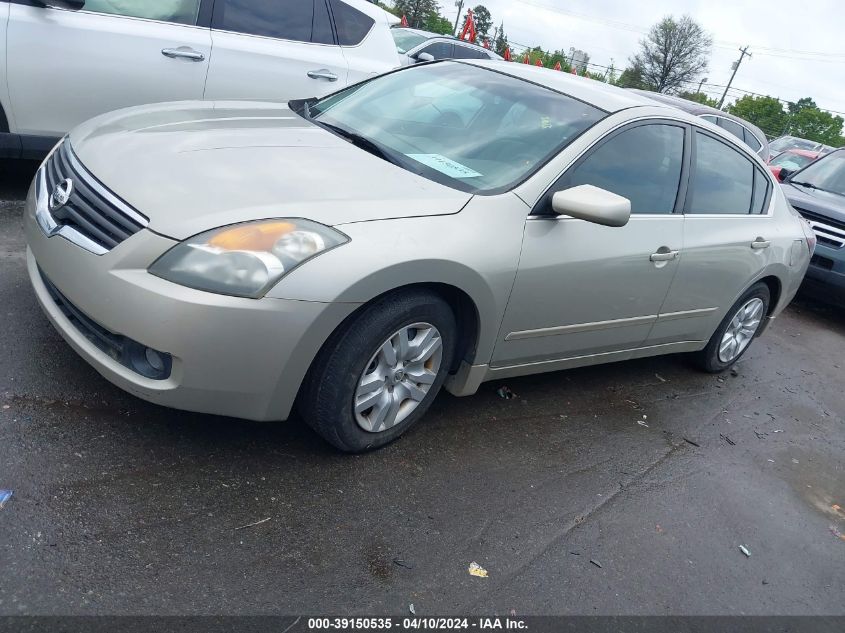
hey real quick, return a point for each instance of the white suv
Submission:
(65, 61)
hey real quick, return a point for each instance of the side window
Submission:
(352, 25)
(761, 193)
(178, 11)
(465, 52)
(709, 118)
(752, 141)
(642, 163)
(297, 20)
(439, 50)
(733, 127)
(722, 179)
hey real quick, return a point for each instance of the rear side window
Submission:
(296, 20)
(352, 25)
(178, 11)
(465, 52)
(733, 127)
(761, 193)
(642, 164)
(752, 141)
(723, 179)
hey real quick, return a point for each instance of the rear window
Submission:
(406, 40)
(352, 25)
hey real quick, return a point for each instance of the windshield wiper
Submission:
(364, 143)
(809, 185)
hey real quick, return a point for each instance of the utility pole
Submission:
(701, 83)
(460, 5)
(743, 53)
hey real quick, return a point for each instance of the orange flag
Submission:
(557, 66)
(507, 54)
(526, 59)
(539, 62)
(405, 21)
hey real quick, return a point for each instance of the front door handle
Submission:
(664, 256)
(183, 52)
(323, 73)
(760, 243)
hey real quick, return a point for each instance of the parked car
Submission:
(416, 46)
(353, 254)
(791, 161)
(793, 142)
(747, 132)
(65, 61)
(818, 193)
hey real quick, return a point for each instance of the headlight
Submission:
(245, 260)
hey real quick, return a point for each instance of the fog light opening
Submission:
(149, 362)
(154, 359)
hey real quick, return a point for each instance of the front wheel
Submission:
(381, 371)
(736, 331)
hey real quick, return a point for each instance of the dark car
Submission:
(749, 133)
(818, 193)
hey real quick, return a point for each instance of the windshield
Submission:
(790, 142)
(791, 161)
(467, 127)
(406, 40)
(827, 174)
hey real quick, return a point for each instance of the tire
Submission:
(719, 355)
(355, 354)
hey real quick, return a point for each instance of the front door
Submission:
(65, 67)
(274, 50)
(584, 289)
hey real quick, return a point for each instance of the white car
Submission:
(65, 61)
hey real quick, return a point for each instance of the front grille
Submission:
(92, 210)
(830, 232)
(124, 350)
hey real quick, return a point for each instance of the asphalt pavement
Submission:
(622, 489)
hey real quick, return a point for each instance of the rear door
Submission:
(65, 67)
(274, 50)
(728, 235)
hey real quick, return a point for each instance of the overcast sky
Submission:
(798, 48)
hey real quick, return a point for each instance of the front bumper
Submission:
(827, 272)
(237, 357)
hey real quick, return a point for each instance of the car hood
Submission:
(194, 166)
(823, 203)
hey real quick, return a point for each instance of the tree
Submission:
(699, 97)
(673, 53)
(816, 125)
(416, 11)
(501, 41)
(436, 23)
(765, 112)
(633, 78)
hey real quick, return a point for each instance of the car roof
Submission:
(605, 96)
(420, 32)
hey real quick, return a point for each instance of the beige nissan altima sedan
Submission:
(442, 225)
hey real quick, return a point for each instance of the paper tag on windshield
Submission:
(445, 165)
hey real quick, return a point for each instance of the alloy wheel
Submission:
(398, 377)
(741, 330)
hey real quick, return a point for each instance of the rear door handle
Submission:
(664, 256)
(760, 243)
(323, 73)
(183, 52)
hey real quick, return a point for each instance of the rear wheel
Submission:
(380, 372)
(735, 333)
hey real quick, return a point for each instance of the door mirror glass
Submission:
(592, 204)
(424, 57)
(71, 5)
(784, 174)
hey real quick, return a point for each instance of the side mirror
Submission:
(70, 5)
(784, 174)
(424, 57)
(592, 204)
